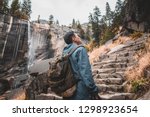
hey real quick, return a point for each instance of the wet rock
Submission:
(36, 86)
(19, 80)
(14, 35)
(4, 86)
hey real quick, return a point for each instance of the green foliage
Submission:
(140, 85)
(73, 23)
(26, 9)
(108, 34)
(4, 6)
(103, 26)
(15, 8)
(87, 33)
(119, 14)
(94, 20)
(109, 14)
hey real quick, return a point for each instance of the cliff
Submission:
(137, 15)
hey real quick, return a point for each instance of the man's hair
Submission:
(68, 37)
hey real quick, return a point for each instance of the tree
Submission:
(26, 9)
(87, 33)
(57, 22)
(79, 28)
(73, 23)
(4, 6)
(118, 7)
(109, 14)
(15, 8)
(119, 13)
(51, 20)
(94, 20)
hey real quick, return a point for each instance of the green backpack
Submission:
(60, 76)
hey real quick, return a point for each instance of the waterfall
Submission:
(38, 43)
(9, 28)
(30, 58)
(17, 40)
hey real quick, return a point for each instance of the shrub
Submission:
(108, 34)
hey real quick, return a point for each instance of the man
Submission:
(86, 88)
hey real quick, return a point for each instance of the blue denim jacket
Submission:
(82, 71)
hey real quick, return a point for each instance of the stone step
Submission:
(129, 48)
(117, 81)
(110, 61)
(121, 54)
(105, 88)
(111, 65)
(117, 96)
(108, 70)
(48, 97)
(106, 75)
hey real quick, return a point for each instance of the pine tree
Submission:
(118, 7)
(4, 6)
(80, 29)
(15, 8)
(94, 20)
(73, 23)
(26, 9)
(119, 13)
(87, 33)
(57, 22)
(109, 14)
(51, 20)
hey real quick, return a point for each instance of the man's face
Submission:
(77, 39)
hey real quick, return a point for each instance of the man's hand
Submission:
(95, 97)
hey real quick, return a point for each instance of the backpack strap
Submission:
(69, 53)
(74, 49)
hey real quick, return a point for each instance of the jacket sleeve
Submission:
(85, 71)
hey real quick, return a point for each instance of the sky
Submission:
(65, 10)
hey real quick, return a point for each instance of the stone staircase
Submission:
(109, 70)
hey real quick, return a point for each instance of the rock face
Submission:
(137, 15)
(13, 39)
(13, 51)
(23, 44)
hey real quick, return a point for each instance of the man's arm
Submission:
(85, 71)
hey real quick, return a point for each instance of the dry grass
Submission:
(136, 35)
(97, 52)
(135, 75)
(136, 72)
